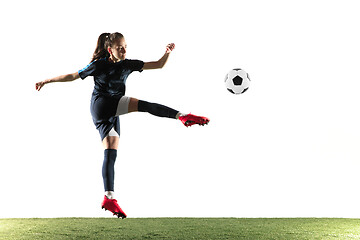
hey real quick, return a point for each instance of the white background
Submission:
(288, 147)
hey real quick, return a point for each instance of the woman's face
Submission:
(118, 50)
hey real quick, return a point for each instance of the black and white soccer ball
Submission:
(237, 81)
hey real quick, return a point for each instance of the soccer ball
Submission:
(237, 81)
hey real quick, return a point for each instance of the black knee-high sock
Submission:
(157, 109)
(108, 172)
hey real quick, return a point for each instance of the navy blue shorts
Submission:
(103, 111)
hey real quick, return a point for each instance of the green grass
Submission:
(180, 228)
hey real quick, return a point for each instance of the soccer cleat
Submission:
(113, 206)
(189, 120)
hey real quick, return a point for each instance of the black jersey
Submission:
(110, 78)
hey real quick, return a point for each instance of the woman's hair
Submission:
(105, 40)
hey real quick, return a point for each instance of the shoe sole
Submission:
(189, 123)
(119, 215)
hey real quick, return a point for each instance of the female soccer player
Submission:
(110, 69)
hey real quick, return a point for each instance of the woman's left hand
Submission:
(170, 47)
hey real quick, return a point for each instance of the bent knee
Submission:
(127, 105)
(133, 105)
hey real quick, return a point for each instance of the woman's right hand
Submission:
(63, 78)
(39, 85)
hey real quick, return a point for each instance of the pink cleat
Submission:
(189, 120)
(113, 206)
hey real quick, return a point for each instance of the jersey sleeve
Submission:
(134, 65)
(88, 70)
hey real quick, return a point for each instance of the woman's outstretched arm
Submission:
(162, 61)
(63, 78)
